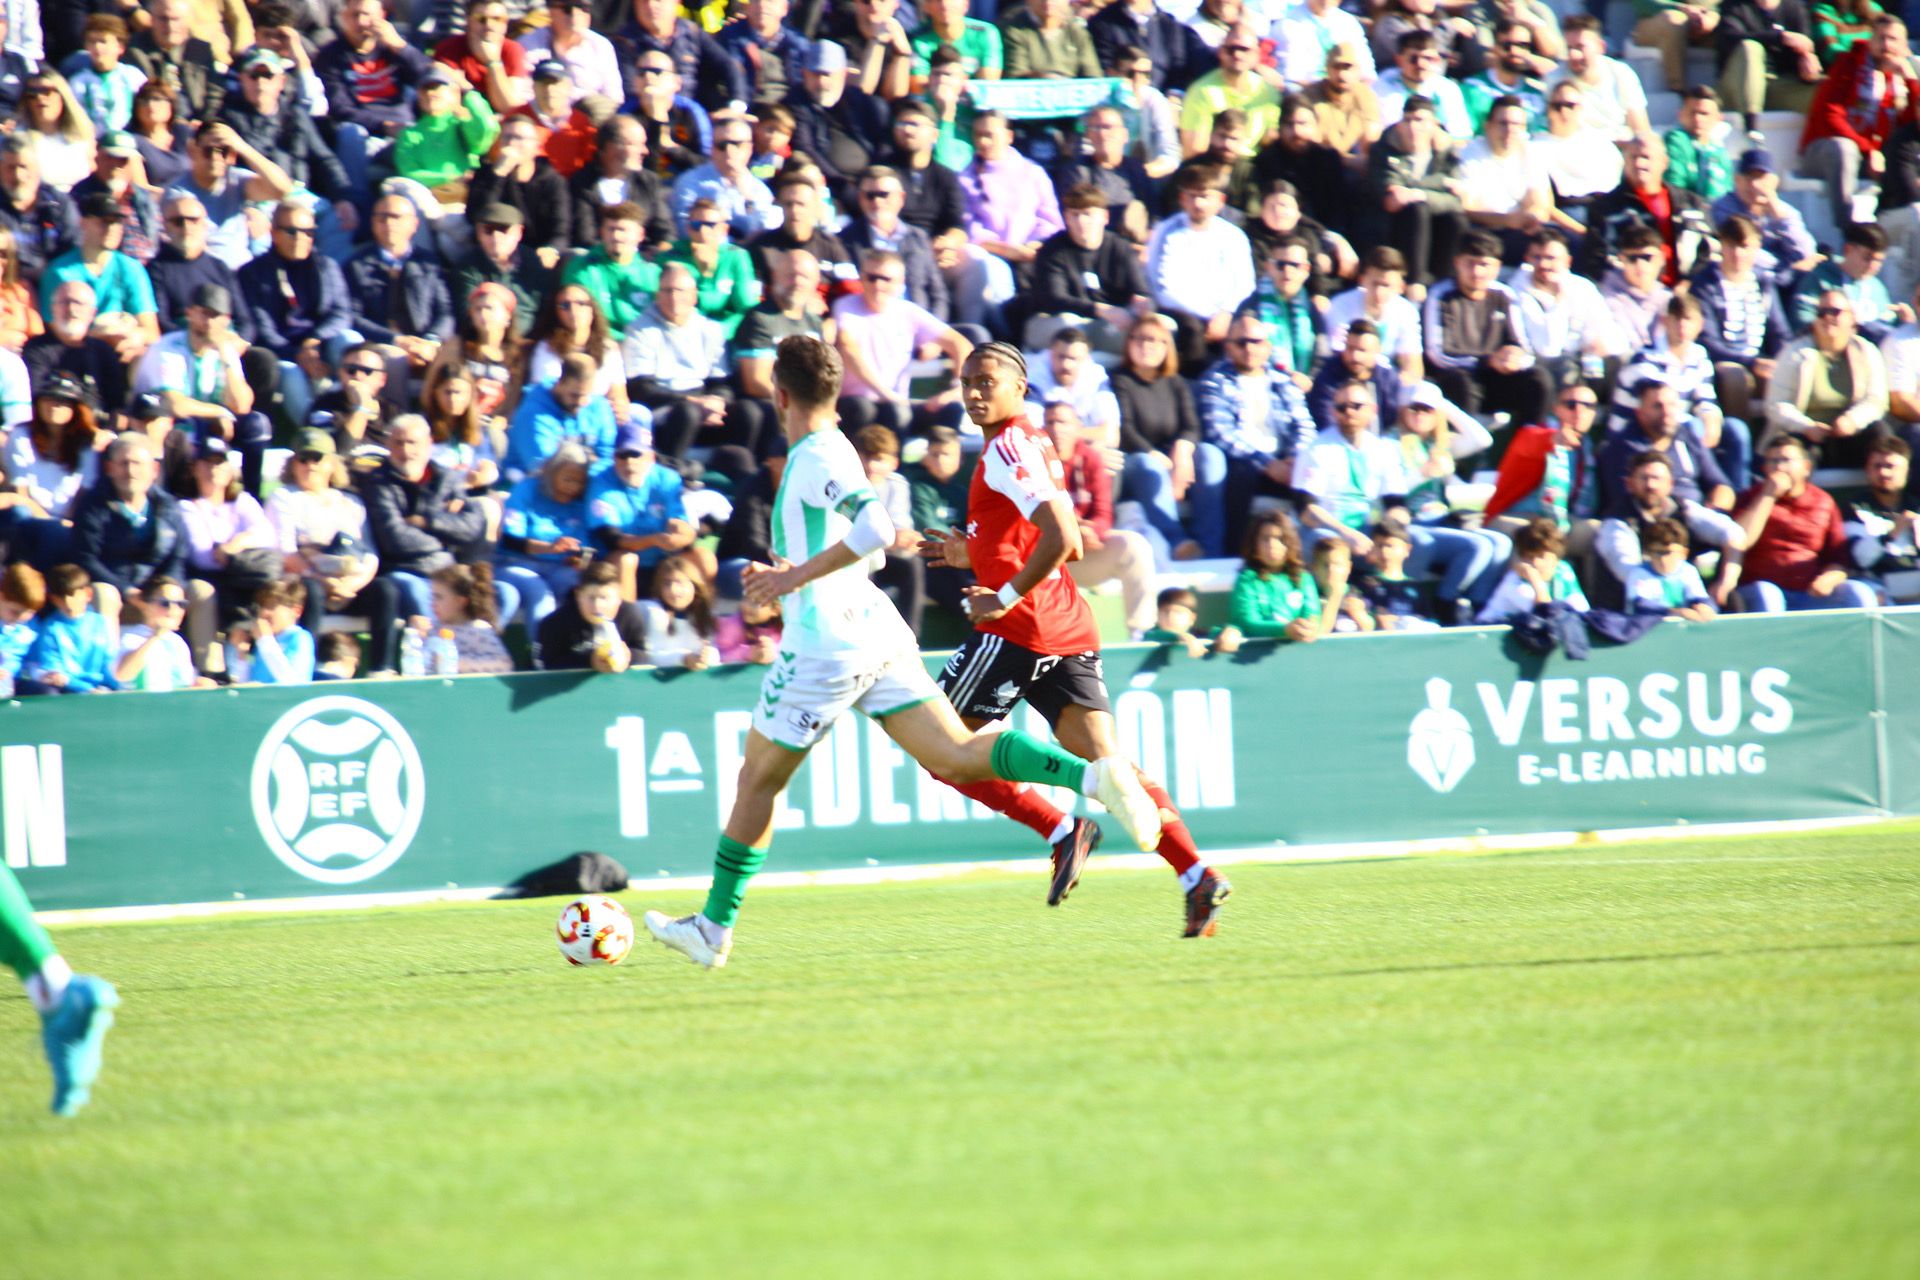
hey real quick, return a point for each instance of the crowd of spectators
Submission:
(350, 336)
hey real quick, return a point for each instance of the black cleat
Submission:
(1070, 854)
(1203, 904)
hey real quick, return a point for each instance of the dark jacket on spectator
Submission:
(14, 70)
(642, 188)
(411, 298)
(843, 139)
(772, 68)
(707, 71)
(1710, 290)
(1695, 472)
(1744, 20)
(295, 301)
(1176, 50)
(290, 138)
(1692, 246)
(193, 74)
(42, 232)
(926, 284)
(1316, 172)
(1335, 374)
(838, 270)
(116, 551)
(143, 208)
(175, 278)
(1153, 415)
(935, 202)
(381, 117)
(1061, 270)
(390, 498)
(1122, 185)
(94, 362)
(543, 200)
(528, 280)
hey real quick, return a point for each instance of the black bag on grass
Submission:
(584, 872)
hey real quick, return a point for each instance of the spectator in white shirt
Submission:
(1566, 322)
(1071, 374)
(1307, 32)
(1381, 298)
(1582, 162)
(1421, 69)
(1615, 101)
(1199, 265)
(1506, 186)
(588, 55)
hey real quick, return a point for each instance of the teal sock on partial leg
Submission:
(1021, 757)
(25, 947)
(733, 865)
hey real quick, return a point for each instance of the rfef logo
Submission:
(338, 789)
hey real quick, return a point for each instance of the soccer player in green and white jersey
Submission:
(845, 647)
(75, 1010)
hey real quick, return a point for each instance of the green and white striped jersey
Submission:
(821, 490)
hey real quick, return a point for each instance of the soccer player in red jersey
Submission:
(1034, 635)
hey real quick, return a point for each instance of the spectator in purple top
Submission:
(879, 335)
(1011, 212)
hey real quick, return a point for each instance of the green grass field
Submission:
(1660, 1060)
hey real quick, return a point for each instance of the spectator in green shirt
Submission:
(452, 135)
(1275, 595)
(1697, 155)
(978, 43)
(722, 272)
(1841, 24)
(621, 281)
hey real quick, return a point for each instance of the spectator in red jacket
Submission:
(1111, 555)
(1869, 90)
(1548, 471)
(1797, 551)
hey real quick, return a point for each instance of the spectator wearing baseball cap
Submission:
(1786, 246)
(269, 116)
(454, 129)
(50, 458)
(637, 507)
(589, 60)
(123, 295)
(842, 127)
(196, 371)
(502, 256)
(564, 130)
(114, 158)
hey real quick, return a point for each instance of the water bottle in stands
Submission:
(443, 655)
(413, 655)
(6, 683)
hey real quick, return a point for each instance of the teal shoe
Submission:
(74, 1034)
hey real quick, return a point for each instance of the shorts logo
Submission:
(338, 789)
(803, 722)
(1004, 695)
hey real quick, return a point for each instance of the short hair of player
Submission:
(808, 370)
(876, 441)
(1539, 536)
(23, 585)
(1663, 534)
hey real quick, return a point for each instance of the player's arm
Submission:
(1059, 543)
(872, 531)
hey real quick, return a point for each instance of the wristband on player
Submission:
(1008, 597)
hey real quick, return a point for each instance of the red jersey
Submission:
(1018, 471)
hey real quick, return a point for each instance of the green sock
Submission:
(733, 865)
(1021, 757)
(24, 945)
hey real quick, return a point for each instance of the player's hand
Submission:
(981, 605)
(947, 548)
(763, 584)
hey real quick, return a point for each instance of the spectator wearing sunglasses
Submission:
(1686, 236)
(1829, 386)
(878, 225)
(153, 657)
(1239, 81)
(1512, 72)
(724, 283)
(271, 120)
(744, 201)
(1419, 73)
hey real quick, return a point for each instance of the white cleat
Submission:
(685, 936)
(1116, 784)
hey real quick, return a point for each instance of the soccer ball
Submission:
(594, 930)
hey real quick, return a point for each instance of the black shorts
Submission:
(987, 674)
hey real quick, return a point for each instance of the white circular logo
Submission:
(338, 789)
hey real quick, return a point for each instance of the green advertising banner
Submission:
(392, 786)
(1899, 718)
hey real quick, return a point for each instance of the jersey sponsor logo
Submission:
(1686, 725)
(338, 789)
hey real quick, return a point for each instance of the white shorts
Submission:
(804, 693)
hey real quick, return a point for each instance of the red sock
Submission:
(1016, 800)
(1176, 842)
